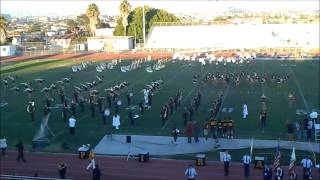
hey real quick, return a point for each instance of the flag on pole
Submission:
(277, 158)
(292, 160)
(251, 147)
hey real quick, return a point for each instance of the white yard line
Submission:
(300, 90)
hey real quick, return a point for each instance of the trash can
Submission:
(222, 151)
(200, 160)
(144, 157)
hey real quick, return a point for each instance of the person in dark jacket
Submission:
(62, 167)
(20, 149)
(96, 173)
(267, 173)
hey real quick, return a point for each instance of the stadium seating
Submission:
(233, 36)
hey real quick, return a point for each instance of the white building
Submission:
(7, 50)
(63, 41)
(105, 43)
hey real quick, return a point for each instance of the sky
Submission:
(111, 7)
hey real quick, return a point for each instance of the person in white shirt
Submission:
(226, 161)
(245, 110)
(306, 164)
(145, 95)
(191, 173)
(72, 125)
(246, 159)
(3, 145)
(116, 121)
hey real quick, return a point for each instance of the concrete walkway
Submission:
(162, 145)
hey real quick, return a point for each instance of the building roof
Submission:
(66, 36)
(111, 37)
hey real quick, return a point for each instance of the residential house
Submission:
(63, 41)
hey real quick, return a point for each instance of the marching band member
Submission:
(206, 129)
(219, 124)
(224, 124)
(31, 109)
(245, 111)
(116, 121)
(230, 128)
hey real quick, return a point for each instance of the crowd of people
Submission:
(250, 77)
(268, 172)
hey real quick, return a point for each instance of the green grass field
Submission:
(16, 123)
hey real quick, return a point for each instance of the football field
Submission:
(303, 83)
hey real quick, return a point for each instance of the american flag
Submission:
(277, 158)
(292, 160)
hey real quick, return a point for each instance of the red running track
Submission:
(90, 56)
(117, 168)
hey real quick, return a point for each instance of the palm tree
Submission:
(93, 15)
(3, 30)
(125, 9)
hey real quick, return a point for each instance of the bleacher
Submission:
(233, 36)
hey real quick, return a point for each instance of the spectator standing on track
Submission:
(20, 149)
(96, 173)
(307, 175)
(293, 175)
(72, 125)
(62, 167)
(191, 173)
(246, 159)
(279, 173)
(267, 173)
(226, 162)
(306, 164)
(3, 146)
